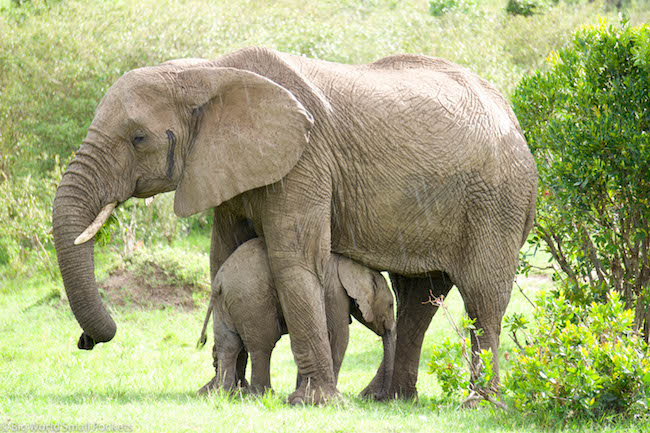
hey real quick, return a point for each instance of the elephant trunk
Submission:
(76, 204)
(388, 340)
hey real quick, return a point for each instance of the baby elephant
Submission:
(248, 317)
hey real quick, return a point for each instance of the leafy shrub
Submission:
(438, 8)
(522, 7)
(527, 8)
(586, 120)
(451, 362)
(25, 212)
(582, 362)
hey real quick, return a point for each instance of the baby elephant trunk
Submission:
(388, 340)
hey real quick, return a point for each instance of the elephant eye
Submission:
(137, 139)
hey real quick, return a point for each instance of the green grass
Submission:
(147, 377)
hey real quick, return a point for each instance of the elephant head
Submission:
(374, 307)
(210, 133)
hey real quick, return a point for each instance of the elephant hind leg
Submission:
(260, 371)
(414, 315)
(228, 359)
(228, 350)
(242, 360)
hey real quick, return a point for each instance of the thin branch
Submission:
(554, 246)
(593, 255)
(542, 268)
(474, 396)
(522, 292)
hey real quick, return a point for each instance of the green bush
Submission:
(528, 8)
(582, 362)
(25, 212)
(134, 222)
(523, 7)
(438, 8)
(587, 120)
(451, 364)
(177, 267)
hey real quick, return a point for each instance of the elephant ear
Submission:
(249, 133)
(359, 284)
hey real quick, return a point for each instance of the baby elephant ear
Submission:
(248, 132)
(359, 284)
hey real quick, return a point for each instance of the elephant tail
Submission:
(204, 337)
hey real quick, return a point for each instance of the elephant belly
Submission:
(410, 226)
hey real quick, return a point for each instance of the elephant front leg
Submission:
(301, 297)
(296, 222)
(414, 315)
(260, 371)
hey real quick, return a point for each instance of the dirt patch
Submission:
(156, 290)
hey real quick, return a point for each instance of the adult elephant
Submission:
(410, 164)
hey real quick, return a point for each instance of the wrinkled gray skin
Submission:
(411, 165)
(247, 315)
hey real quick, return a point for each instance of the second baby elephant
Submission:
(247, 315)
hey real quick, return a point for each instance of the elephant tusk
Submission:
(94, 227)
(149, 200)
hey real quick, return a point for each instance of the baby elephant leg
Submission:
(228, 357)
(242, 360)
(228, 347)
(260, 371)
(213, 384)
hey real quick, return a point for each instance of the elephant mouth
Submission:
(151, 187)
(97, 224)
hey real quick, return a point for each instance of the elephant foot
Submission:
(209, 387)
(375, 391)
(260, 390)
(380, 394)
(310, 393)
(213, 386)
